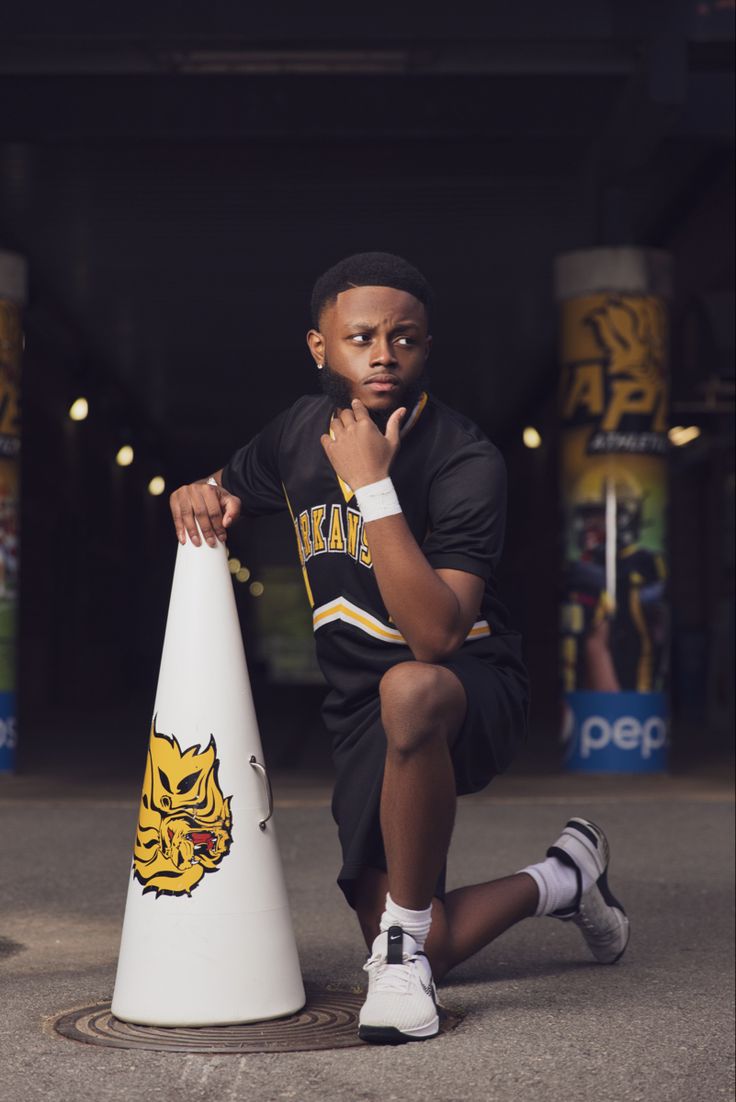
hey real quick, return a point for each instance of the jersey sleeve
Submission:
(253, 475)
(467, 511)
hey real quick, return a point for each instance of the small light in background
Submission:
(531, 437)
(125, 456)
(79, 409)
(683, 434)
(233, 565)
(157, 485)
(243, 574)
(256, 589)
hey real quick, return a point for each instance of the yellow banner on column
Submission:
(614, 442)
(613, 409)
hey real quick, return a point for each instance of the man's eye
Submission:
(406, 341)
(360, 338)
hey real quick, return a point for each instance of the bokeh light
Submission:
(683, 434)
(157, 485)
(531, 437)
(79, 409)
(125, 456)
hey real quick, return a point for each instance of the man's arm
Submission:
(204, 504)
(433, 609)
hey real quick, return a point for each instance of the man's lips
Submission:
(382, 382)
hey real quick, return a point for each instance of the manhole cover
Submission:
(329, 1020)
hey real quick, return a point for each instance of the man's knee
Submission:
(419, 703)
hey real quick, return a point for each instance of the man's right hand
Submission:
(210, 507)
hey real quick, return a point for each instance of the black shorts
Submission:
(495, 727)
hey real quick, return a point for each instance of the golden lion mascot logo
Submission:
(185, 825)
(632, 334)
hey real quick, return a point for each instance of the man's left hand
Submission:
(358, 451)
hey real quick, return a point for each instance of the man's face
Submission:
(373, 343)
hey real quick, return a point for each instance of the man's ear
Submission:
(427, 347)
(316, 343)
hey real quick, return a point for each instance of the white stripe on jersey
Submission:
(343, 609)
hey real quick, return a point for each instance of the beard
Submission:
(338, 389)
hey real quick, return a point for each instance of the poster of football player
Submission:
(613, 623)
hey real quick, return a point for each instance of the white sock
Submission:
(414, 923)
(557, 883)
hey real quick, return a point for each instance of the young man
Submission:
(398, 505)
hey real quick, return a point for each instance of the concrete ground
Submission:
(543, 1021)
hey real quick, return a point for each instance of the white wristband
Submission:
(377, 500)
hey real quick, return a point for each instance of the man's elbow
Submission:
(438, 646)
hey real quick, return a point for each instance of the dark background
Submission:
(178, 178)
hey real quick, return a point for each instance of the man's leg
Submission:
(471, 917)
(468, 920)
(422, 711)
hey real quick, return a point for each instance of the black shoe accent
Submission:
(607, 894)
(582, 828)
(566, 859)
(395, 951)
(387, 1035)
(431, 990)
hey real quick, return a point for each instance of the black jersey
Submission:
(451, 484)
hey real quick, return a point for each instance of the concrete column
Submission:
(13, 278)
(613, 408)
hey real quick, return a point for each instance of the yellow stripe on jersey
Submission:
(342, 609)
(415, 414)
(479, 628)
(307, 586)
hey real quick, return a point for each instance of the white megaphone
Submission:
(207, 937)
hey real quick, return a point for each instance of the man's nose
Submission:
(383, 352)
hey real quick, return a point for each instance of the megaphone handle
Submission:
(262, 770)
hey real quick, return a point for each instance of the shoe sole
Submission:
(588, 827)
(390, 1035)
(610, 899)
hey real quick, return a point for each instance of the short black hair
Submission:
(369, 270)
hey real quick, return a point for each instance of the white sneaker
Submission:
(402, 999)
(598, 914)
